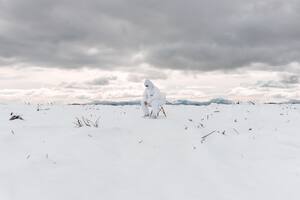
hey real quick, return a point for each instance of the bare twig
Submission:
(203, 138)
(236, 131)
(78, 123)
(14, 117)
(200, 125)
(86, 122)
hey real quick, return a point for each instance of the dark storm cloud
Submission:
(196, 34)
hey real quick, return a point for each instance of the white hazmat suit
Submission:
(152, 98)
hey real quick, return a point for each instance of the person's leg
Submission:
(155, 108)
(145, 108)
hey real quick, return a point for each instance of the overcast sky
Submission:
(80, 51)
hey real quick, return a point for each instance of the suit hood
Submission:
(149, 83)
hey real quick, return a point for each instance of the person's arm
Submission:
(145, 97)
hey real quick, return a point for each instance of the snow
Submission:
(46, 157)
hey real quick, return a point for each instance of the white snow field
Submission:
(253, 154)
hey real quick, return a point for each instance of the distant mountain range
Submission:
(292, 101)
(184, 102)
(201, 103)
(176, 102)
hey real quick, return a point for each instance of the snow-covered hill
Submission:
(215, 152)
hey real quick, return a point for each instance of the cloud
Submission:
(286, 81)
(200, 35)
(147, 74)
(87, 85)
(272, 84)
(102, 80)
(291, 79)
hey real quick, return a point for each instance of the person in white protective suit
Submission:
(153, 98)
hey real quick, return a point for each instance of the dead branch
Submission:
(203, 138)
(86, 122)
(14, 117)
(236, 131)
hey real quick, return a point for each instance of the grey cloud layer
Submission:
(285, 82)
(102, 80)
(196, 34)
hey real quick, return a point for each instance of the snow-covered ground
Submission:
(254, 153)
